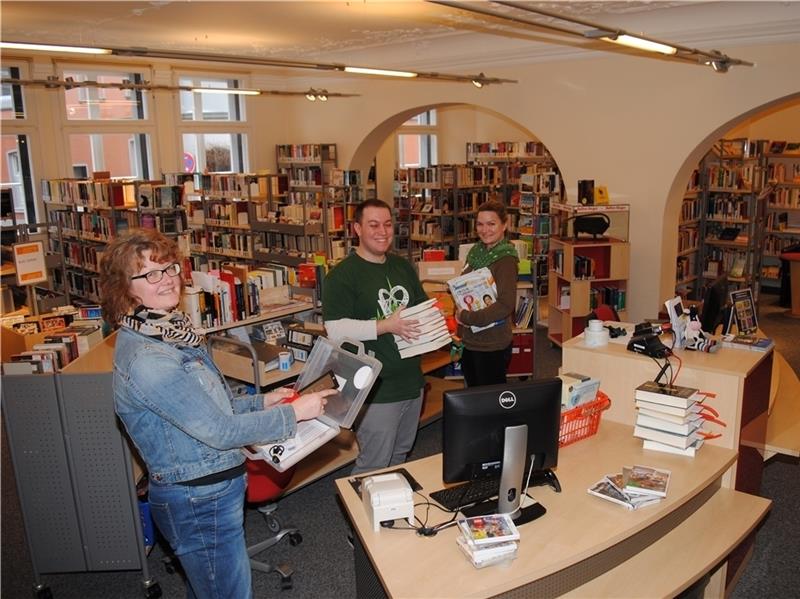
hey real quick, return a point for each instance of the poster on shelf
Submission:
(29, 263)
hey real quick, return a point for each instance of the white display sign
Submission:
(29, 262)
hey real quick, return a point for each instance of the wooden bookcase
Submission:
(782, 220)
(688, 237)
(585, 271)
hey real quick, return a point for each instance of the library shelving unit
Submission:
(586, 271)
(732, 213)
(782, 210)
(435, 207)
(348, 188)
(308, 168)
(688, 237)
(86, 214)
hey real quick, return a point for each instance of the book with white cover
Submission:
(689, 451)
(670, 395)
(433, 329)
(680, 441)
(661, 424)
(652, 406)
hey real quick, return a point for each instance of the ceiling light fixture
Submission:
(266, 62)
(478, 81)
(54, 82)
(233, 91)
(385, 72)
(599, 32)
(53, 48)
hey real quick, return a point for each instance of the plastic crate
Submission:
(582, 421)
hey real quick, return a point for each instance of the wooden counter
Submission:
(582, 545)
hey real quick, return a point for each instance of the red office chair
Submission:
(604, 312)
(264, 485)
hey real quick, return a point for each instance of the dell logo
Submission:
(507, 400)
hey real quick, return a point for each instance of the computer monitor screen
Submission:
(715, 305)
(475, 444)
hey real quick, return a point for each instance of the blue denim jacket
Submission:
(180, 412)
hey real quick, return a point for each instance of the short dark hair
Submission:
(371, 203)
(495, 206)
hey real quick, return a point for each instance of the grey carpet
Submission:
(323, 562)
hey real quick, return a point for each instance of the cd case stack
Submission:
(488, 540)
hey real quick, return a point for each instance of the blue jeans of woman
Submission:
(204, 525)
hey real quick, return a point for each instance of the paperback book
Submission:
(433, 329)
(646, 480)
(606, 489)
(689, 451)
(474, 291)
(673, 439)
(748, 342)
(669, 395)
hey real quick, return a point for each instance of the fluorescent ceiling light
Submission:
(388, 73)
(51, 48)
(641, 44)
(226, 90)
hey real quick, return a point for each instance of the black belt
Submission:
(216, 477)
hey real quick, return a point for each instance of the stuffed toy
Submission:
(696, 338)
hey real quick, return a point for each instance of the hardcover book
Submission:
(646, 480)
(676, 440)
(689, 451)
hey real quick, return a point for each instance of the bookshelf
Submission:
(435, 207)
(782, 217)
(83, 215)
(732, 215)
(348, 188)
(688, 237)
(311, 223)
(585, 271)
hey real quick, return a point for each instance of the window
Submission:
(417, 142)
(122, 154)
(11, 105)
(210, 106)
(17, 176)
(215, 152)
(104, 103)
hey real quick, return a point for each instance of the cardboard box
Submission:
(443, 270)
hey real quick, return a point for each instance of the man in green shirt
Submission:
(362, 299)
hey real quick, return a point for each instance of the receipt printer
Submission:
(387, 497)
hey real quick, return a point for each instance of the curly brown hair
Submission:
(121, 260)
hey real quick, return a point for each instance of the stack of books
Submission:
(634, 487)
(488, 540)
(433, 329)
(669, 418)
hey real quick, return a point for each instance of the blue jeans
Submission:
(204, 525)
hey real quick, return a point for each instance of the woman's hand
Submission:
(276, 396)
(311, 405)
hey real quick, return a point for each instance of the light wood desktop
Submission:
(583, 546)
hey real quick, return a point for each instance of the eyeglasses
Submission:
(155, 276)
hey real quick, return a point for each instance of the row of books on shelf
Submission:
(685, 267)
(781, 221)
(90, 193)
(172, 223)
(307, 152)
(515, 149)
(728, 208)
(94, 225)
(741, 178)
(781, 172)
(57, 349)
(245, 185)
(752, 148)
(543, 182)
(610, 296)
(635, 487)
(670, 418)
(784, 197)
(690, 210)
(523, 316)
(307, 176)
(292, 244)
(688, 238)
(775, 244)
(719, 261)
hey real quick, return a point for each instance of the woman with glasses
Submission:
(182, 416)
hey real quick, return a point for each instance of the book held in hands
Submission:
(474, 291)
(433, 329)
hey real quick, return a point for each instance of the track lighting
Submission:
(312, 95)
(479, 81)
(322, 95)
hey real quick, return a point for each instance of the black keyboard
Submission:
(458, 496)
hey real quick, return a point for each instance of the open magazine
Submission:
(474, 291)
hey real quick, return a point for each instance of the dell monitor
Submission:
(503, 431)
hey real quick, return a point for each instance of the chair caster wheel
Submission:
(43, 593)
(273, 524)
(153, 591)
(295, 539)
(171, 565)
(286, 583)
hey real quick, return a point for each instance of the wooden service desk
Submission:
(740, 379)
(583, 546)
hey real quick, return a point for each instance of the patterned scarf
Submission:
(480, 256)
(171, 327)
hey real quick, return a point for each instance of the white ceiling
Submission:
(411, 34)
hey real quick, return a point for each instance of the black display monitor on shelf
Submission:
(503, 431)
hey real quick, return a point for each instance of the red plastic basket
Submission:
(582, 422)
